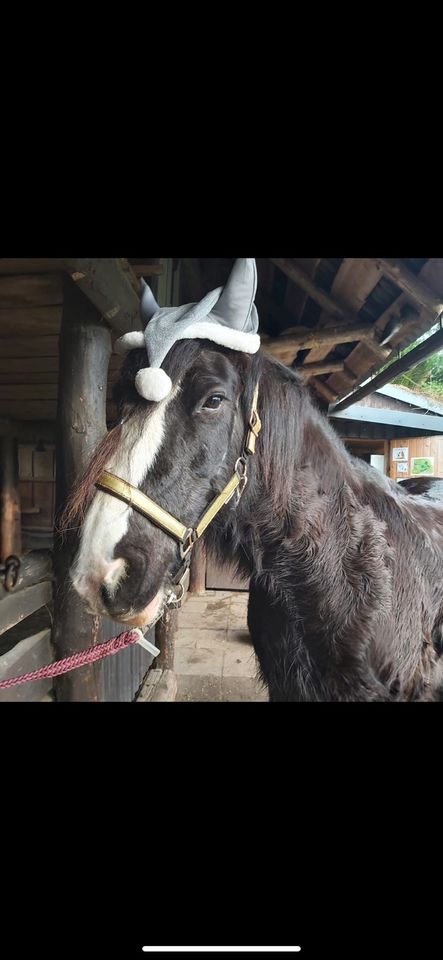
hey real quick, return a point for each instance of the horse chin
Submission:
(146, 616)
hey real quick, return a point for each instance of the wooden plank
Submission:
(165, 631)
(109, 285)
(10, 517)
(30, 322)
(30, 289)
(28, 391)
(28, 347)
(29, 265)
(25, 365)
(85, 348)
(30, 409)
(41, 430)
(15, 607)
(25, 462)
(35, 567)
(28, 655)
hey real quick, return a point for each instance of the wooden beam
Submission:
(322, 388)
(16, 607)
(411, 284)
(318, 369)
(85, 348)
(298, 276)
(10, 517)
(288, 345)
(408, 362)
(109, 285)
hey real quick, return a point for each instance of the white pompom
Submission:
(153, 384)
(129, 341)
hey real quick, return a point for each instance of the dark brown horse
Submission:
(345, 565)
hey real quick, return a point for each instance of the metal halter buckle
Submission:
(241, 469)
(188, 542)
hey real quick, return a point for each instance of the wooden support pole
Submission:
(165, 631)
(85, 348)
(197, 583)
(10, 517)
(408, 362)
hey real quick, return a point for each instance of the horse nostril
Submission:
(105, 595)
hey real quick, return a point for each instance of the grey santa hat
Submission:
(226, 316)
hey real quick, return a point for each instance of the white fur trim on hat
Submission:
(130, 341)
(225, 336)
(152, 383)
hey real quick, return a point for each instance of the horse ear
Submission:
(235, 307)
(148, 303)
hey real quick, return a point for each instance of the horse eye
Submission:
(214, 402)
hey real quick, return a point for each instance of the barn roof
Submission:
(337, 320)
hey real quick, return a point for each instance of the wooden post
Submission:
(164, 639)
(10, 517)
(85, 348)
(197, 583)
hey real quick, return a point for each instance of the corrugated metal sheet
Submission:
(123, 674)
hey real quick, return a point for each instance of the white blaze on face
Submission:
(107, 519)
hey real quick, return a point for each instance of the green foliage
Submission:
(427, 377)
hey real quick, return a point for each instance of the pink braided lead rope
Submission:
(99, 652)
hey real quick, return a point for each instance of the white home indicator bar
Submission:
(221, 949)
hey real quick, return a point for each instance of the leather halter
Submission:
(186, 536)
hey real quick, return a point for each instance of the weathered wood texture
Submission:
(28, 655)
(35, 567)
(109, 285)
(412, 323)
(165, 631)
(15, 607)
(197, 582)
(34, 290)
(85, 348)
(10, 518)
(414, 286)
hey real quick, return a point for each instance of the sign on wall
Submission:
(422, 466)
(400, 453)
(402, 468)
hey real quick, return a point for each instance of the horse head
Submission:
(182, 426)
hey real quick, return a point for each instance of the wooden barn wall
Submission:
(417, 447)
